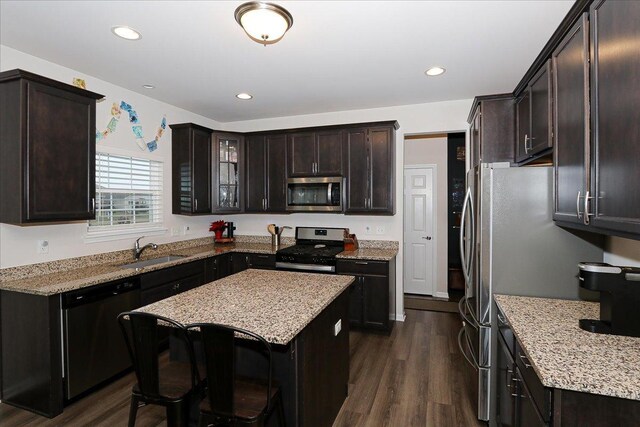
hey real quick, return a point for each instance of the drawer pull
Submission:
(362, 263)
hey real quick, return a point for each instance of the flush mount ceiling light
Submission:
(244, 96)
(148, 86)
(435, 71)
(263, 22)
(125, 32)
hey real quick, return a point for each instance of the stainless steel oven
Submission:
(316, 194)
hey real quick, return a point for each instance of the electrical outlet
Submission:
(43, 247)
(186, 230)
(380, 229)
(367, 229)
(175, 231)
(337, 328)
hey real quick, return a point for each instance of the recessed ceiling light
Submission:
(244, 96)
(148, 86)
(125, 32)
(435, 71)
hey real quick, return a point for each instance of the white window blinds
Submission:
(128, 193)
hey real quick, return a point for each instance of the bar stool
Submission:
(231, 399)
(172, 386)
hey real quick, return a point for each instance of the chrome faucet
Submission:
(137, 250)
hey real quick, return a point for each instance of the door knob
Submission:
(427, 237)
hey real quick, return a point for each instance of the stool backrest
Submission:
(140, 331)
(219, 345)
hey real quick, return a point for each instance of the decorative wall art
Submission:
(138, 132)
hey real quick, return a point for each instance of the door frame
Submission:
(434, 223)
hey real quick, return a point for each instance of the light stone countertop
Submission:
(567, 357)
(369, 253)
(274, 304)
(66, 275)
(82, 277)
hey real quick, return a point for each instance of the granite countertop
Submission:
(76, 273)
(274, 304)
(566, 357)
(78, 278)
(369, 253)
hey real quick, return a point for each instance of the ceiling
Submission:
(339, 55)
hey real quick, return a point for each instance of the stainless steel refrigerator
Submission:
(510, 245)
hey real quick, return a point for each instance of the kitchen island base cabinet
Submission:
(312, 371)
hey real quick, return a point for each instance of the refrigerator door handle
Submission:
(464, 315)
(463, 253)
(462, 350)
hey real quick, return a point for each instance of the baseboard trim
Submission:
(444, 295)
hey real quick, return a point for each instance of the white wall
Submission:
(434, 151)
(18, 244)
(623, 252)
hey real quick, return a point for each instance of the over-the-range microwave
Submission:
(315, 194)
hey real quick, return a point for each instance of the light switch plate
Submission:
(337, 328)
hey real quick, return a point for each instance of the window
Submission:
(128, 193)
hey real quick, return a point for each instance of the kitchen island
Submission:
(304, 317)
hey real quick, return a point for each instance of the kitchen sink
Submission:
(154, 261)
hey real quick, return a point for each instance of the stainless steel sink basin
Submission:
(148, 262)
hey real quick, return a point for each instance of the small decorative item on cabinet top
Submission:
(218, 228)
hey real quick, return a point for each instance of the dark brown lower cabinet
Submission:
(505, 383)
(241, 262)
(371, 296)
(217, 267)
(161, 284)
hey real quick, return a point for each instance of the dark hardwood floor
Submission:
(414, 377)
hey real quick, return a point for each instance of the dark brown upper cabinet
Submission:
(315, 153)
(266, 174)
(191, 169)
(570, 63)
(48, 143)
(492, 129)
(613, 202)
(534, 116)
(228, 172)
(370, 169)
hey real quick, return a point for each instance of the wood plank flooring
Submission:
(414, 377)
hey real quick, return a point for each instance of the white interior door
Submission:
(419, 230)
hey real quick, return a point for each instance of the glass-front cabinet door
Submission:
(228, 172)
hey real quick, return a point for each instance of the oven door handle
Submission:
(305, 267)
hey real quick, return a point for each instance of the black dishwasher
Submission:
(94, 349)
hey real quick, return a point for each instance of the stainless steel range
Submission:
(315, 250)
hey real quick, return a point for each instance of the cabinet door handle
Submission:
(195, 201)
(426, 237)
(526, 144)
(525, 361)
(578, 213)
(586, 208)
(93, 205)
